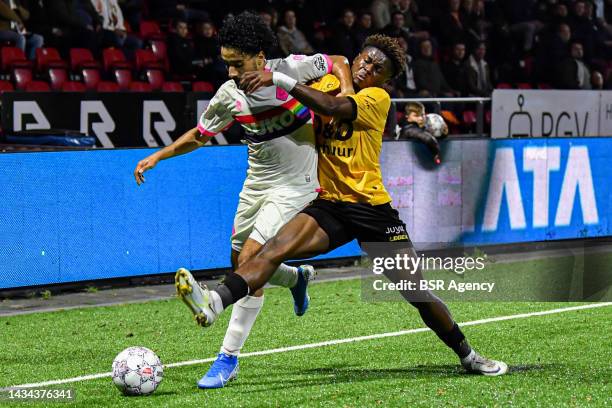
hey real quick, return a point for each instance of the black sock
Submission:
(233, 288)
(456, 340)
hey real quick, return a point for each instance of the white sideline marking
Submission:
(325, 343)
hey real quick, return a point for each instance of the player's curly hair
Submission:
(247, 33)
(391, 48)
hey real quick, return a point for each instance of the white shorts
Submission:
(261, 214)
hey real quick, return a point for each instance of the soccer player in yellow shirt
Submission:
(353, 202)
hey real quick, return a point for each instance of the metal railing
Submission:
(480, 106)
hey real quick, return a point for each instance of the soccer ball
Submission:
(137, 371)
(434, 124)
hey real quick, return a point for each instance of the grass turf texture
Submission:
(556, 360)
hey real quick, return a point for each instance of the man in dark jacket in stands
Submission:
(75, 23)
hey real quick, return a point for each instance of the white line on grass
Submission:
(325, 343)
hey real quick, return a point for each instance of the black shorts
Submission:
(343, 222)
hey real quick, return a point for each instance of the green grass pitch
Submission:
(556, 360)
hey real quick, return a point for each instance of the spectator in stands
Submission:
(12, 28)
(397, 27)
(207, 54)
(381, 12)
(597, 81)
(180, 50)
(560, 14)
(456, 71)
(75, 23)
(573, 72)
(344, 37)
(270, 17)
(452, 25)
(521, 16)
(584, 29)
(164, 9)
(132, 10)
(411, 19)
(114, 33)
(290, 38)
(430, 81)
(553, 49)
(479, 74)
(404, 85)
(364, 27)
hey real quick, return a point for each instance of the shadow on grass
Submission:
(347, 374)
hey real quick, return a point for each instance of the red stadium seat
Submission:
(160, 50)
(48, 57)
(114, 58)
(37, 86)
(504, 85)
(57, 77)
(73, 86)
(156, 79)
(139, 86)
(91, 78)
(146, 59)
(82, 58)
(488, 117)
(108, 86)
(172, 87)
(6, 86)
(203, 86)
(524, 85)
(469, 119)
(22, 77)
(13, 57)
(543, 85)
(123, 78)
(150, 30)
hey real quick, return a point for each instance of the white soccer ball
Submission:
(434, 124)
(137, 371)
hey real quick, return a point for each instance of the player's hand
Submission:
(253, 80)
(145, 164)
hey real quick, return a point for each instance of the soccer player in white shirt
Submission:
(282, 175)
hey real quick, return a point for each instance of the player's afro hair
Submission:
(247, 33)
(391, 48)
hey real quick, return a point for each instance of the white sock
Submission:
(216, 302)
(285, 276)
(244, 313)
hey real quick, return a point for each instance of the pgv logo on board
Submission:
(540, 162)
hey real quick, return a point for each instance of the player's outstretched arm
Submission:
(188, 142)
(324, 104)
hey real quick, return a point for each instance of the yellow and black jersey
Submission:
(349, 150)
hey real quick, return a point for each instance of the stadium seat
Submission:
(37, 86)
(82, 58)
(524, 85)
(13, 57)
(48, 57)
(150, 30)
(203, 86)
(488, 117)
(91, 78)
(543, 85)
(156, 79)
(147, 59)
(123, 78)
(171, 87)
(22, 77)
(6, 86)
(107, 86)
(73, 86)
(160, 50)
(114, 58)
(469, 118)
(57, 77)
(139, 86)
(504, 85)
